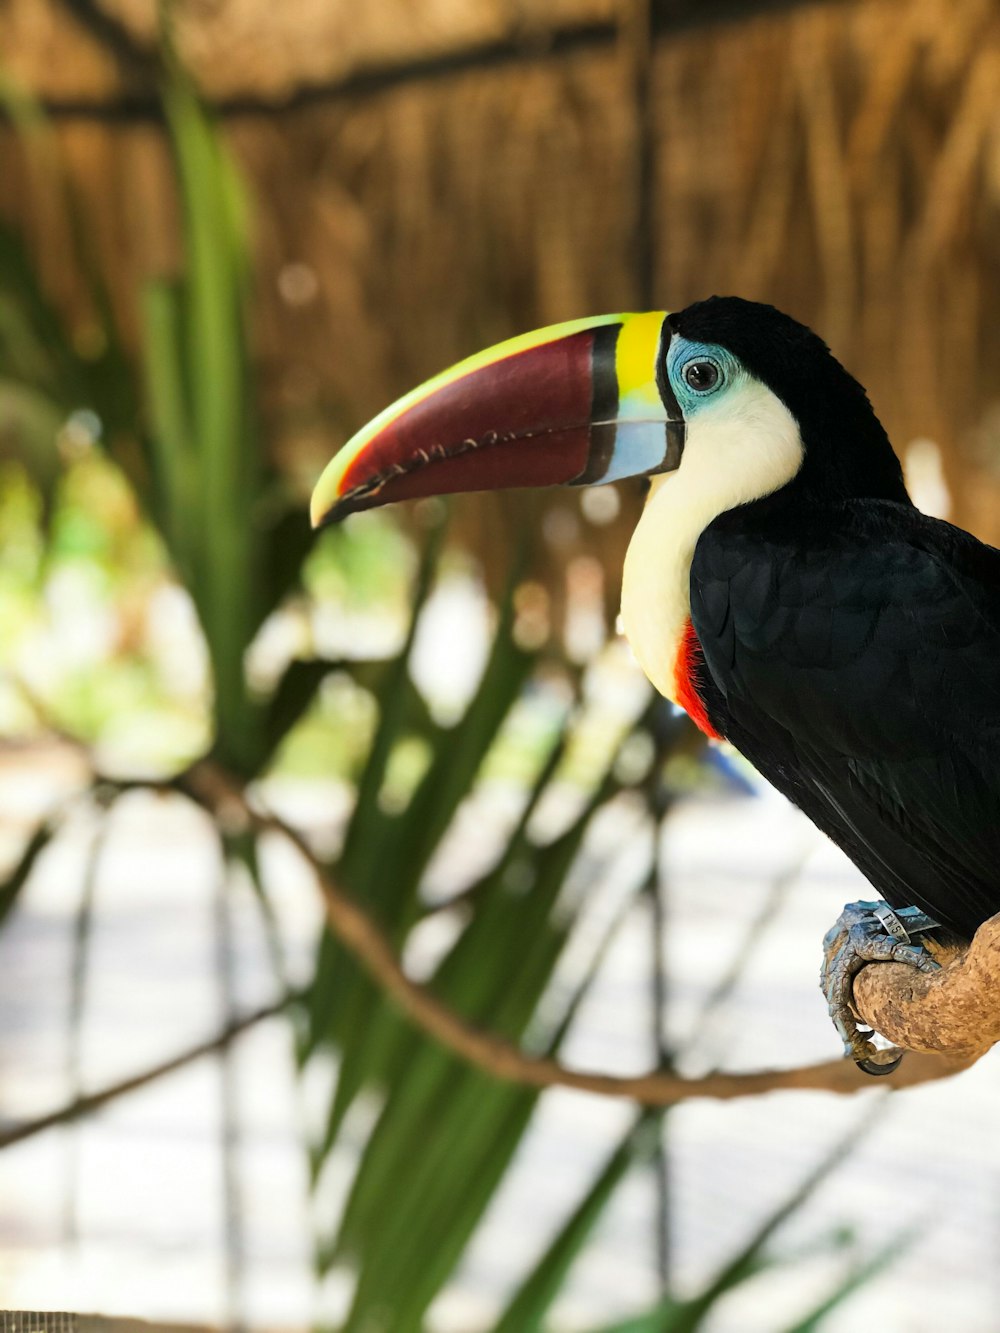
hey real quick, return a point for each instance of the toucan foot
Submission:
(869, 933)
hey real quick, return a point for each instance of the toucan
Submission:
(780, 584)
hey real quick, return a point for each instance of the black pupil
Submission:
(702, 374)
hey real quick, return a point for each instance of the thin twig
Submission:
(654, 889)
(79, 973)
(216, 791)
(234, 1240)
(95, 1101)
(719, 997)
(212, 788)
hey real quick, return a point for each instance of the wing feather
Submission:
(856, 661)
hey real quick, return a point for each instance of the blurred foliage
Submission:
(444, 1135)
(125, 483)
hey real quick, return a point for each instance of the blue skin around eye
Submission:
(680, 352)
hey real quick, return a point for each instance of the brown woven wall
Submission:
(841, 160)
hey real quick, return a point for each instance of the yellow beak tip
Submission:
(324, 499)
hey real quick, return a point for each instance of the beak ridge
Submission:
(573, 404)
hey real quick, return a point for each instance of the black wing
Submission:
(855, 660)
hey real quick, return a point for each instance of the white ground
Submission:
(126, 1213)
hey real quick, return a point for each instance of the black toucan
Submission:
(780, 584)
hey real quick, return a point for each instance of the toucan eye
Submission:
(702, 375)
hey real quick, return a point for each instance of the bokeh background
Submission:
(230, 232)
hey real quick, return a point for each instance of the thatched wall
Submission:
(841, 160)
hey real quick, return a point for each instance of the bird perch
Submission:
(954, 1012)
(886, 993)
(948, 1019)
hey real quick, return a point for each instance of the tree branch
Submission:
(141, 106)
(668, 16)
(94, 1101)
(954, 1012)
(209, 786)
(888, 996)
(114, 35)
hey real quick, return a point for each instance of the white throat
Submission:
(741, 449)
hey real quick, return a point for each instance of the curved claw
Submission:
(878, 1069)
(860, 937)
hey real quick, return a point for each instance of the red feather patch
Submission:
(689, 659)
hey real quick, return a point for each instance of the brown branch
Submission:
(209, 786)
(115, 36)
(888, 996)
(95, 1101)
(954, 1012)
(668, 16)
(367, 81)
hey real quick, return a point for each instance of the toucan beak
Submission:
(574, 404)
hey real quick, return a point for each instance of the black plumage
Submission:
(852, 644)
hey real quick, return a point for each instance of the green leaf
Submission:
(367, 822)
(288, 538)
(196, 468)
(478, 977)
(656, 1320)
(530, 1304)
(336, 974)
(172, 446)
(747, 1261)
(37, 344)
(211, 402)
(495, 1119)
(415, 1071)
(462, 751)
(670, 1316)
(29, 424)
(421, 1187)
(296, 691)
(857, 1276)
(242, 848)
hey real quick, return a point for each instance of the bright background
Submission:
(229, 233)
